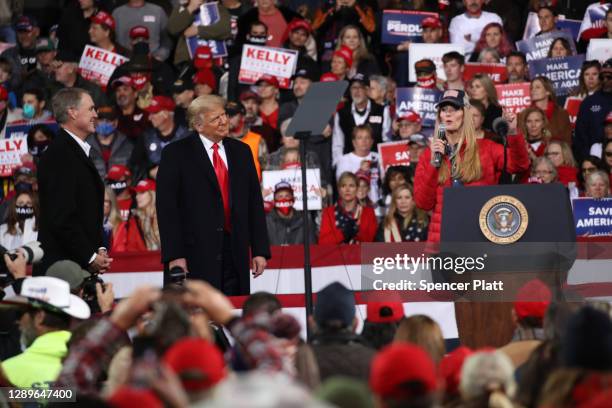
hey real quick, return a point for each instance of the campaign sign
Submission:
(594, 17)
(393, 154)
(497, 72)
(11, 151)
(514, 97)
(572, 106)
(593, 217)
(572, 26)
(433, 52)
(532, 27)
(401, 25)
(21, 128)
(271, 178)
(599, 49)
(537, 47)
(98, 65)
(257, 61)
(564, 73)
(208, 15)
(422, 101)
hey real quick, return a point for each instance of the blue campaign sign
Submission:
(401, 25)
(537, 47)
(422, 101)
(21, 129)
(593, 216)
(572, 26)
(564, 72)
(209, 14)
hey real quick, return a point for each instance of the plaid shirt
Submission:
(88, 358)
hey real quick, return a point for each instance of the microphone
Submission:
(501, 127)
(436, 160)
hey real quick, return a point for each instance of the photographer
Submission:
(97, 294)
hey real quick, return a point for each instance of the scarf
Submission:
(427, 82)
(348, 222)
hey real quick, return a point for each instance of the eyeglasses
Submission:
(608, 154)
(588, 170)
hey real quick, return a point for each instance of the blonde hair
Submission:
(546, 135)
(361, 52)
(566, 152)
(389, 219)
(489, 87)
(114, 217)
(424, 332)
(468, 161)
(200, 106)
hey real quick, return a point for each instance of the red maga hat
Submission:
(145, 185)
(139, 32)
(103, 18)
(532, 300)
(384, 312)
(346, 54)
(160, 103)
(203, 58)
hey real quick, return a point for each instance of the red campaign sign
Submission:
(514, 97)
(393, 154)
(572, 105)
(497, 72)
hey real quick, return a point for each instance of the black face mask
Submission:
(38, 148)
(118, 187)
(257, 40)
(24, 212)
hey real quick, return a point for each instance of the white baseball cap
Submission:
(50, 293)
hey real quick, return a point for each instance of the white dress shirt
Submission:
(84, 145)
(208, 146)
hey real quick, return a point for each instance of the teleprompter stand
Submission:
(310, 119)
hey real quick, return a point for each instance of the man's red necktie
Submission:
(223, 179)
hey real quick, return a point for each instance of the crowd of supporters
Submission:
(143, 106)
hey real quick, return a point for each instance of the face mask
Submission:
(24, 212)
(294, 165)
(284, 205)
(118, 187)
(105, 128)
(139, 81)
(28, 111)
(258, 40)
(427, 81)
(38, 148)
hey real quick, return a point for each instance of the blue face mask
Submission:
(28, 111)
(104, 128)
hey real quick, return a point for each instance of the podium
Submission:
(526, 231)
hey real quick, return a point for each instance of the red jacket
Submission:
(428, 193)
(567, 174)
(330, 234)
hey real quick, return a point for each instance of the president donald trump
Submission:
(209, 203)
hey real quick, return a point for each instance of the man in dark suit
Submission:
(209, 203)
(70, 189)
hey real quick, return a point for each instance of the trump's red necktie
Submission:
(223, 179)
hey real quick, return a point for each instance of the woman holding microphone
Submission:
(465, 160)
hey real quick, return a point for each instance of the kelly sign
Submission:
(294, 177)
(257, 61)
(11, 151)
(593, 217)
(572, 106)
(422, 101)
(21, 129)
(537, 47)
(599, 49)
(401, 25)
(564, 72)
(497, 72)
(393, 154)
(98, 65)
(514, 97)
(433, 52)
(208, 15)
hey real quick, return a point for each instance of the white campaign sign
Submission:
(294, 177)
(257, 61)
(433, 52)
(98, 65)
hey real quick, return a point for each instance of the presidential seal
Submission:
(503, 219)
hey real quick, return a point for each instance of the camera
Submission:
(89, 294)
(33, 253)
